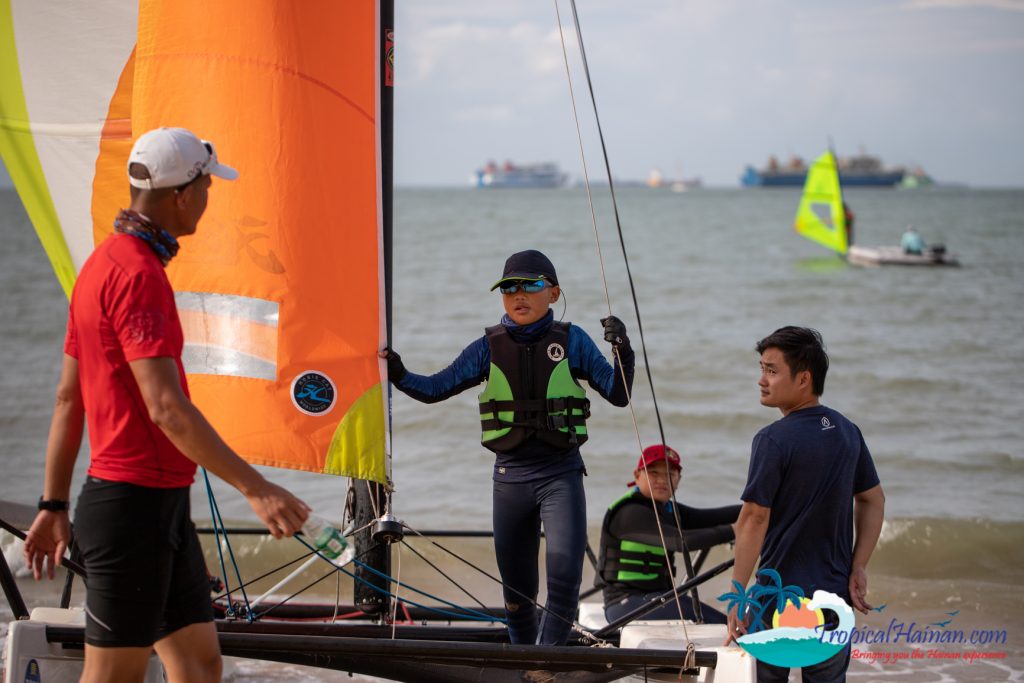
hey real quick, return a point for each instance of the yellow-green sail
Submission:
(820, 217)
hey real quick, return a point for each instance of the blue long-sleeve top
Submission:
(534, 459)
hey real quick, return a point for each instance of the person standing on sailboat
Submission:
(533, 416)
(148, 587)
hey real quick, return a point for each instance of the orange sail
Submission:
(281, 292)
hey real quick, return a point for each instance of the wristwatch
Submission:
(53, 505)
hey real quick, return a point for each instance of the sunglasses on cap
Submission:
(528, 286)
(202, 169)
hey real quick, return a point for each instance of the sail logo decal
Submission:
(556, 352)
(826, 424)
(313, 393)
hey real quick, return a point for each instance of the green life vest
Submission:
(642, 566)
(531, 392)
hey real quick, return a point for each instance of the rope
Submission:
(394, 603)
(441, 572)
(611, 188)
(263, 576)
(466, 612)
(574, 624)
(629, 274)
(218, 526)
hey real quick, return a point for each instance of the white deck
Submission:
(29, 657)
(734, 664)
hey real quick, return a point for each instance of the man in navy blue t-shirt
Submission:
(805, 471)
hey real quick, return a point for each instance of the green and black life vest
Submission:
(531, 392)
(640, 565)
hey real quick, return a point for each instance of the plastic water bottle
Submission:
(328, 539)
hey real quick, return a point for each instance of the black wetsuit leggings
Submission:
(519, 510)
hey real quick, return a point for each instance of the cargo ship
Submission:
(509, 175)
(862, 170)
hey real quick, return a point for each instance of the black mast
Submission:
(370, 496)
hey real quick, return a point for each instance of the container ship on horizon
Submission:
(861, 170)
(509, 175)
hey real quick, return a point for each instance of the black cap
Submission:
(528, 265)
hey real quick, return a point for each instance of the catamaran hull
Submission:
(49, 647)
(895, 256)
(433, 661)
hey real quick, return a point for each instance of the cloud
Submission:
(499, 113)
(711, 86)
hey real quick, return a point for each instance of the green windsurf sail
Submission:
(820, 217)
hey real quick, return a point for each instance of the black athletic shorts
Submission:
(146, 573)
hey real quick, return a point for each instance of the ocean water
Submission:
(926, 361)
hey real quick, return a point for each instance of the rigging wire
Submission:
(442, 573)
(467, 613)
(218, 526)
(574, 624)
(632, 286)
(611, 188)
(397, 582)
(394, 603)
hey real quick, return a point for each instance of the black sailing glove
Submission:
(615, 332)
(396, 368)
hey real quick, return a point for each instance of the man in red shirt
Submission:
(122, 374)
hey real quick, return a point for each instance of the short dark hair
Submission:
(803, 349)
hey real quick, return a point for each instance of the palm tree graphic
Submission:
(740, 599)
(758, 598)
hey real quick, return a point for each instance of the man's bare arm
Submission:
(51, 531)
(178, 418)
(868, 514)
(750, 531)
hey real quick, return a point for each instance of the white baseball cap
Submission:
(175, 156)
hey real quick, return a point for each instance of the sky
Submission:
(701, 88)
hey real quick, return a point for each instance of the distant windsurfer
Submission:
(848, 218)
(912, 242)
(633, 566)
(122, 375)
(811, 482)
(533, 416)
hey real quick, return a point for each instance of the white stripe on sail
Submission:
(228, 335)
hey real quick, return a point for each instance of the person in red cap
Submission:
(533, 415)
(633, 566)
(123, 377)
